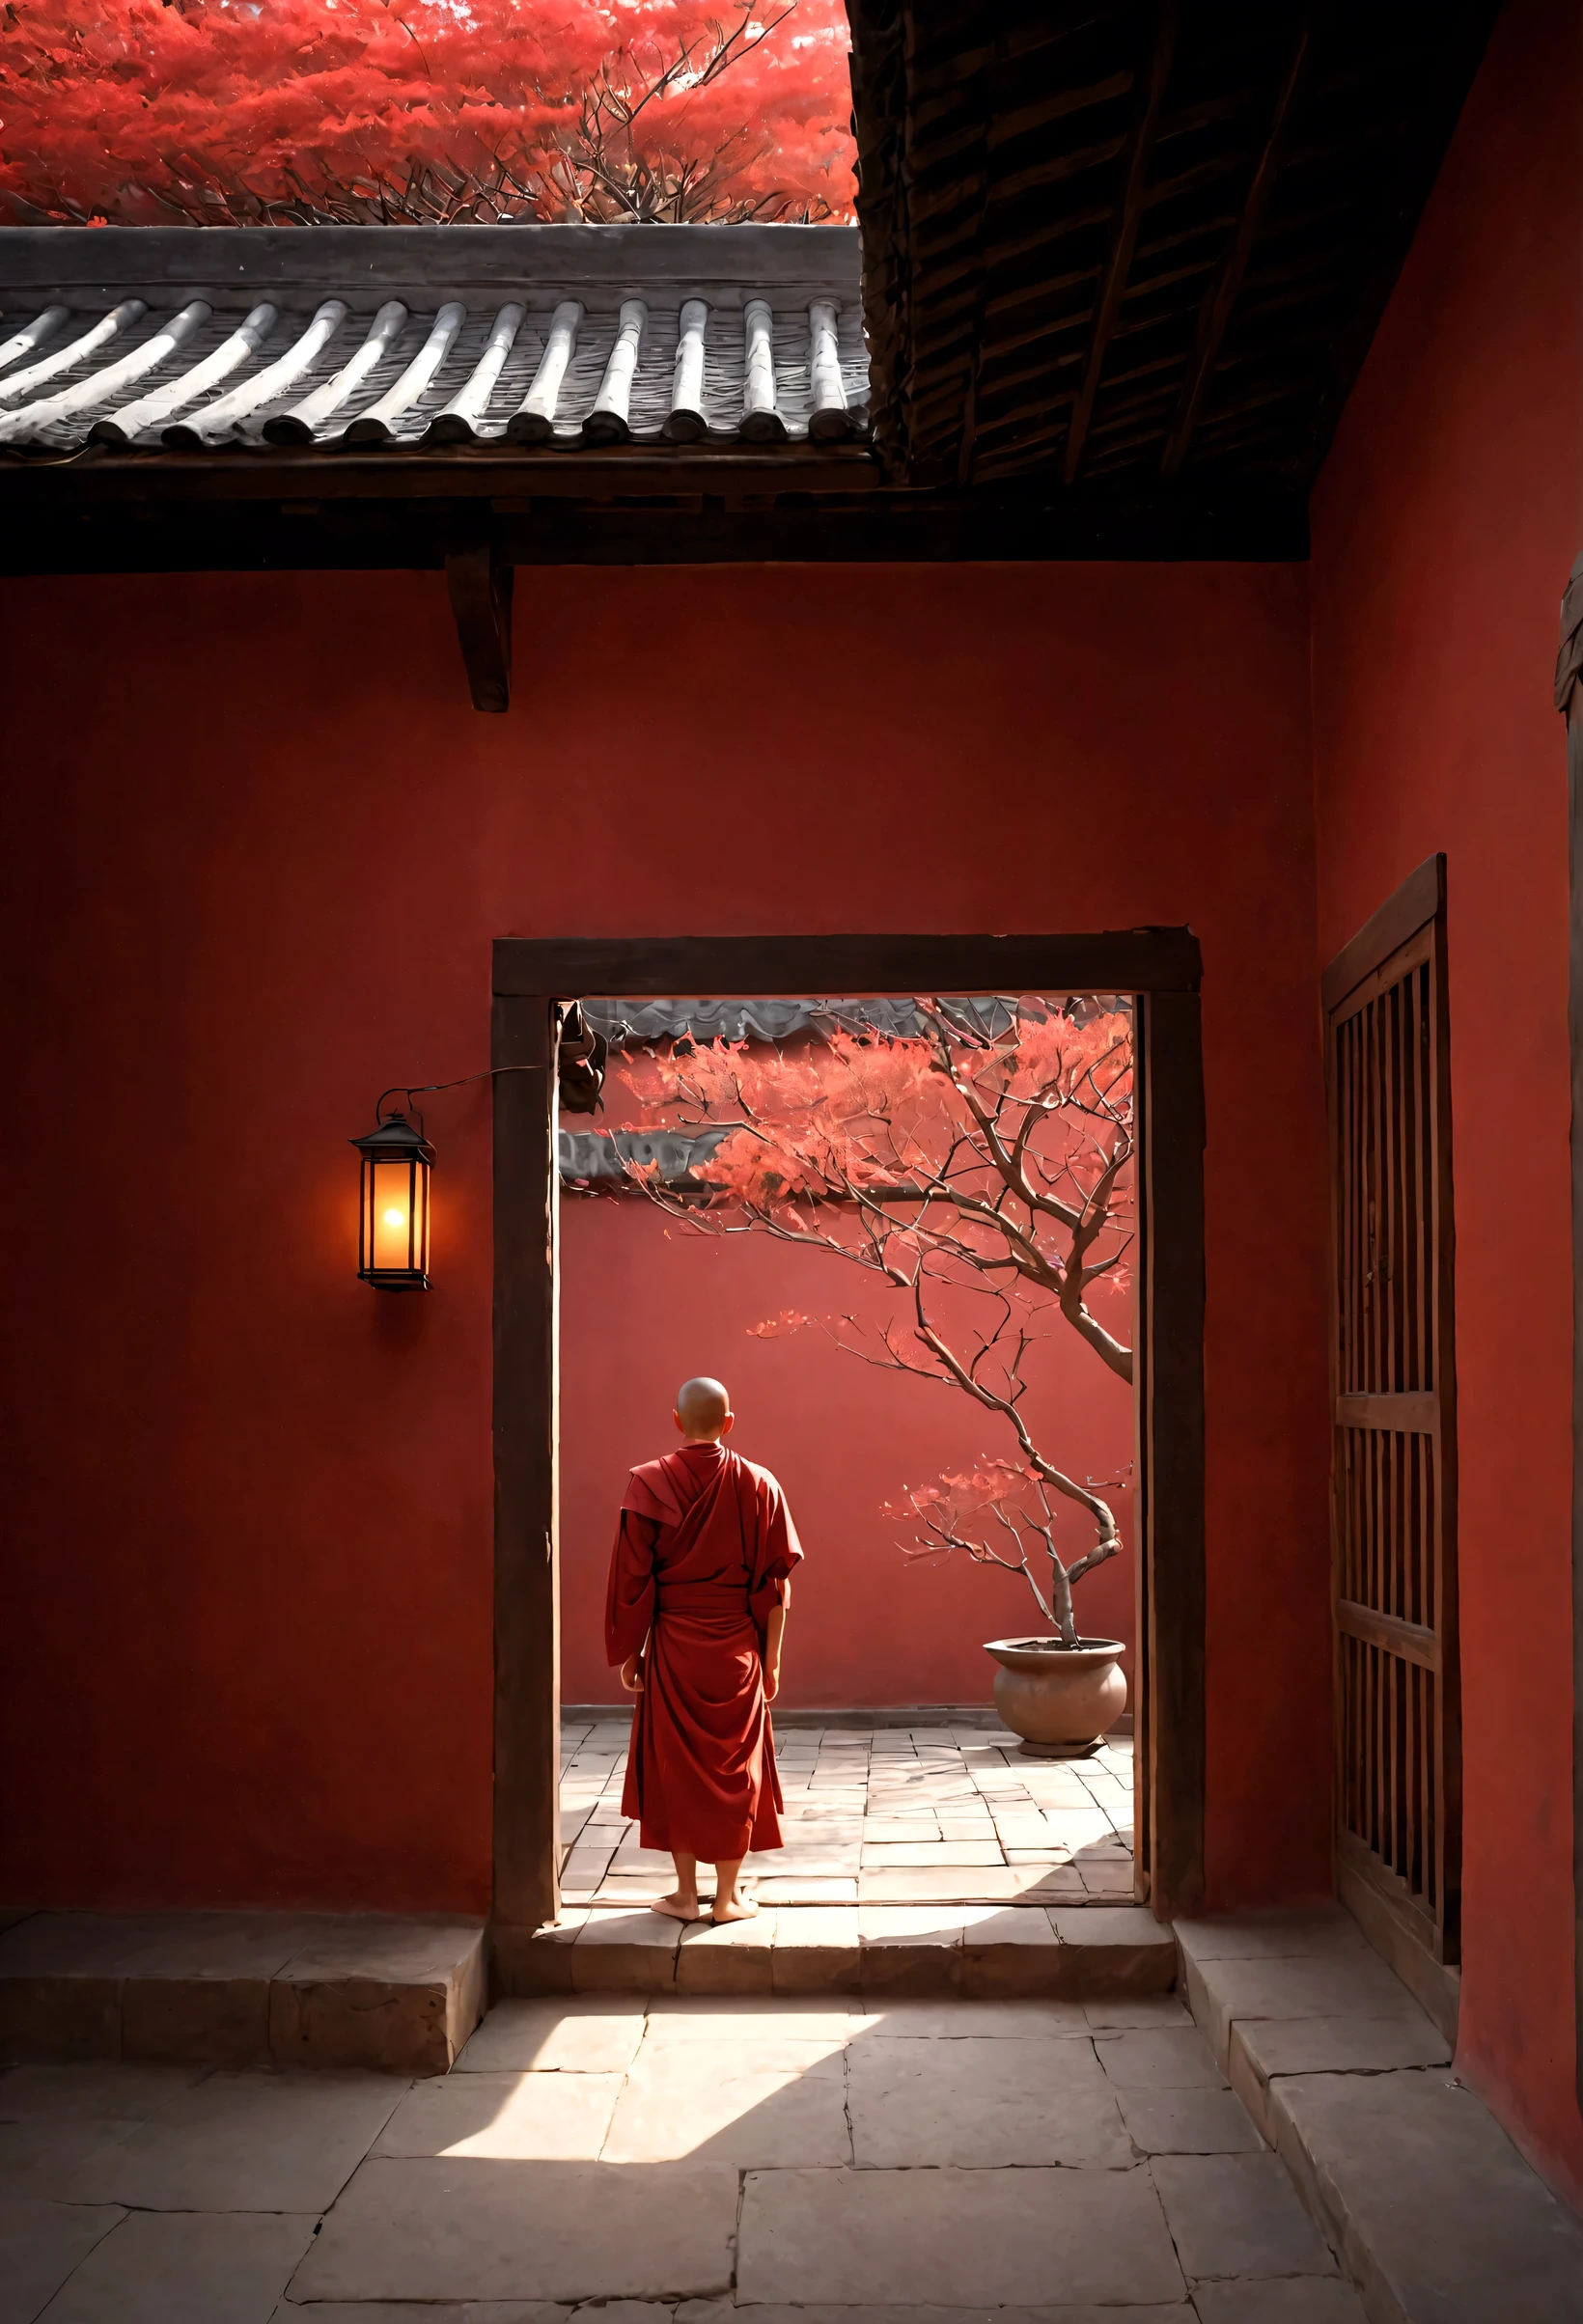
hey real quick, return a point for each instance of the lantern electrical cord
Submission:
(576, 1045)
(428, 1088)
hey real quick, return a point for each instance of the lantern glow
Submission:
(393, 1208)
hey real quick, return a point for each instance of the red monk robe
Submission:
(704, 1550)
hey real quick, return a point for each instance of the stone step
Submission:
(238, 1989)
(1436, 2217)
(1015, 1952)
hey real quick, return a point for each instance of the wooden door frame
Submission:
(1161, 968)
(1418, 904)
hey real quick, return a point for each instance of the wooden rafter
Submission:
(1128, 218)
(1134, 191)
(1221, 297)
(480, 600)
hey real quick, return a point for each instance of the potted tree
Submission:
(984, 1147)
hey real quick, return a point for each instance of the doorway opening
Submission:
(535, 982)
(900, 1231)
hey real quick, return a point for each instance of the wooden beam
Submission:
(527, 1711)
(481, 599)
(1124, 233)
(1569, 701)
(1114, 961)
(1168, 1376)
(1221, 296)
(996, 523)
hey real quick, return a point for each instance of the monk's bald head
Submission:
(703, 1409)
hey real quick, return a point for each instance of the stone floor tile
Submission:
(881, 1855)
(970, 1885)
(1296, 2300)
(84, 1944)
(1124, 1948)
(1225, 1992)
(816, 1951)
(444, 2312)
(1163, 2058)
(1072, 1828)
(631, 1856)
(636, 1892)
(1107, 1883)
(909, 1951)
(1114, 2012)
(979, 2104)
(532, 1961)
(1438, 2213)
(977, 2239)
(1237, 2215)
(504, 2117)
(900, 1828)
(1324, 1931)
(41, 2159)
(1008, 1951)
(428, 2230)
(94, 2089)
(1328, 2045)
(798, 1890)
(818, 1858)
(765, 2104)
(730, 1958)
(41, 2244)
(398, 1995)
(626, 1952)
(959, 2020)
(726, 2017)
(224, 2268)
(257, 2141)
(719, 2311)
(584, 1868)
(580, 2033)
(1188, 2121)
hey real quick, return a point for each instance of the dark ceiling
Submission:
(1143, 246)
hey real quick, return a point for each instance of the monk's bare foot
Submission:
(678, 1907)
(734, 1908)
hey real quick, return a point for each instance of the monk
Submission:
(700, 1583)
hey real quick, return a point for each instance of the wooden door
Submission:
(1398, 1781)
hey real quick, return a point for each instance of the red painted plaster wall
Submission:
(645, 1306)
(258, 846)
(1445, 523)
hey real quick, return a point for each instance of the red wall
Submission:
(1445, 523)
(645, 1306)
(258, 847)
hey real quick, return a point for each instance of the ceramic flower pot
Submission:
(1060, 1699)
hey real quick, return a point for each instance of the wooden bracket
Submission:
(481, 599)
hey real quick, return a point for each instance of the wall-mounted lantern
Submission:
(393, 1230)
(398, 1159)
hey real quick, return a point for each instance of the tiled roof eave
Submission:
(421, 342)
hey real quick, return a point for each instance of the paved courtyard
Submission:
(881, 1816)
(1082, 2160)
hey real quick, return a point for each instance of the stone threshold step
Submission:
(934, 1717)
(1436, 2217)
(1011, 1952)
(239, 1990)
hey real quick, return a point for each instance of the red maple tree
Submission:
(242, 112)
(981, 1169)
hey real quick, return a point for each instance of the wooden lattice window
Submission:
(1394, 1474)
